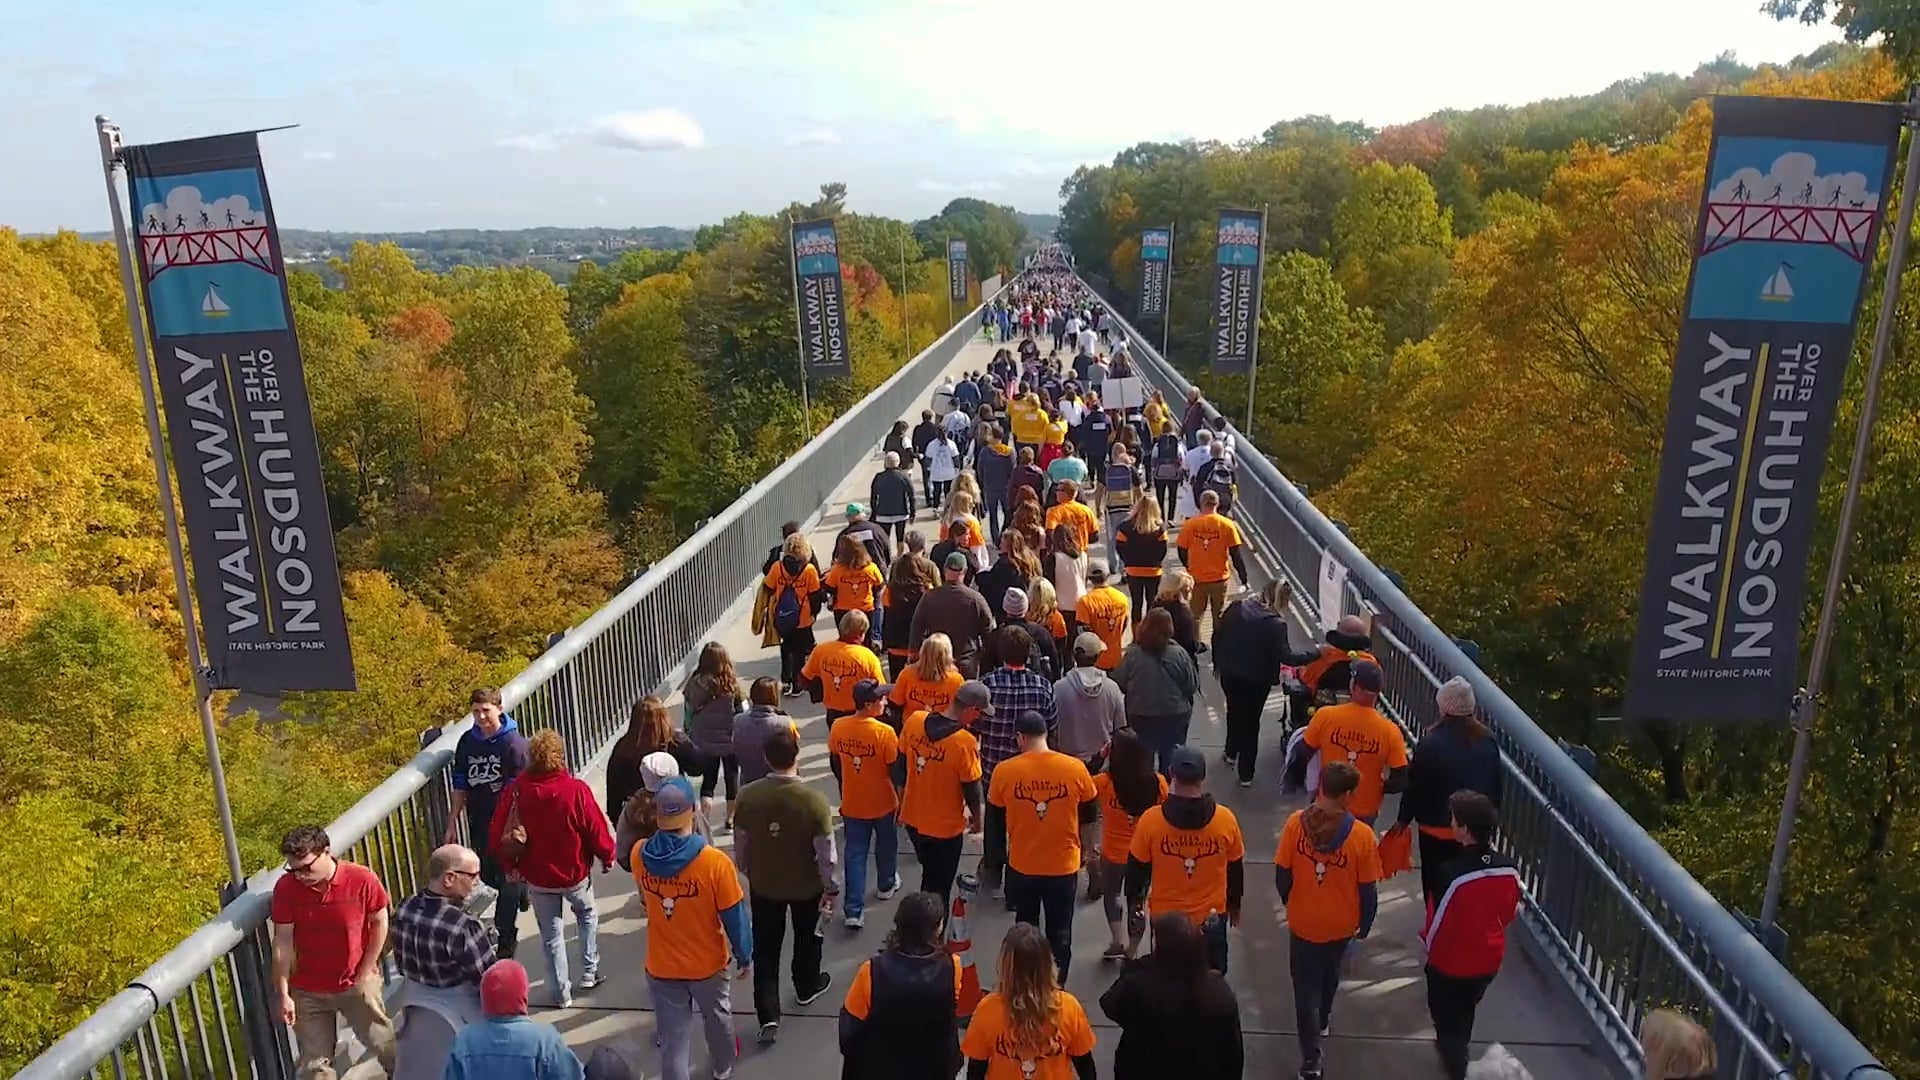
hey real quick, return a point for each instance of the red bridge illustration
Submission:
(1844, 227)
(240, 244)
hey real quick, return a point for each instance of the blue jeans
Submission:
(876, 834)
(549, 912)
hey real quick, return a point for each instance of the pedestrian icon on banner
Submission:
(1778, 290)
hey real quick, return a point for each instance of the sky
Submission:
(419, 114)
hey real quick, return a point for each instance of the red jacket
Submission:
(1466, 930)
(566, 831)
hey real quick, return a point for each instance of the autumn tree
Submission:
(1391, 242)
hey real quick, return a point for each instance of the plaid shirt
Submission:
(436, 943)
(1014, 690)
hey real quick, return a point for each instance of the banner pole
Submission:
(799, 331)
(109, 133)
(1807, 702)
(1166, 302)
(1259, 302)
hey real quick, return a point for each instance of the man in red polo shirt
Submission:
(329, 926)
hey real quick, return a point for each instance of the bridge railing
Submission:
(200, 1009)
(1609, 911)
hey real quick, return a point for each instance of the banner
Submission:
(1333, 591)
(1788, 227)
(822, 305)
(1236, 302)
(1156, 253)
(957, 270)
(254, 507)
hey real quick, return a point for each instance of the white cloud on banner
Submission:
(184, 204)
(1795, 174)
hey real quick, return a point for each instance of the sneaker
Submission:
(1228, 757)
(723, 1074)
(1312, 1072)
(565, 1001)
(888, 892)
(826, 980)
(856, 922)
(1115, 951)
(1248, 782)
(591, 980)
(769, 1032)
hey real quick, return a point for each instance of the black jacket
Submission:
(1185, 630)
(1445, 761)
(1169, 1028)
(1141, 549)
(898, 444)
(873, 538)
(993, 470)
(910, 1031)
(993, 583)
(1043, 657)
(623, 770)
(898, 624)
(891, 494)
(1251, 644)
(923, 434)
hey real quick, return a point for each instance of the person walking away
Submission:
(1194, 421)
(485, 760)
(1028, 1028)
(696, 916)
(1104, 609)
(1675, 1048)
(784, 841)
(911, 578)
(892, 496)
(1167, 470)
(441, 952)
(649, 731)
(1456, 754)
(924, 433)
(330, 922)
(957, 610)
(1217, 476)
(836, 666)
(871, 536)
(1043, 795)
(1026, 474)
(1140, 541)
(899, 441)
(1356, 732)
(1250, 649)
(1068, 510)
(1160, 683)
(993, 463)
(1016, 566)
(761, 718)
(1068, 466)
(1188, 856)
(1327, 869)
(508, 1044)
(637, 821)
(1013, 688)
(928, 684)
(943, 465)
(1066, 564)
(1090, 710)
(1198, 454)
(1465, 934)
(900, 1020)
(1177, 1016)
(1119, 490)
(1209, 543)
(793, 581)
(958, 541)
(939, 773)
(861, 751)
(564, 834)
(1128, 787)
(713, 697)
(1044, 656)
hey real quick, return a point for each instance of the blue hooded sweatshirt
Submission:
(482, 766)
(666, 854)
(1369, 893)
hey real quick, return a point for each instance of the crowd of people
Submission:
(1000, 683)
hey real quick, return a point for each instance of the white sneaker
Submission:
(856, 922)
(888, 892)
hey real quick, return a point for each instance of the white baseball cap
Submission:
(656, 768)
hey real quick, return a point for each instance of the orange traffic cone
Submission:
(960, 944)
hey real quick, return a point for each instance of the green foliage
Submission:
(1895, 23)
(994, 235)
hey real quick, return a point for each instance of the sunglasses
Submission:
(465, 873)
(304, 868)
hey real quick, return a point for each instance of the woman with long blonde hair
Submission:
(1176, 599)
(929, 682)
(1141, 542)
(960, 506)
(1676, 1048)
(1028, 1023)
(1043, 609)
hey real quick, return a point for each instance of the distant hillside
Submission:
(443, 249)
(1039, 226)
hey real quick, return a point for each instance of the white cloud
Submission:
(1796, 175)
(539, 143)
(317, 155)
(185, 208)
(962, 187)
(648, 129)
(819, 136)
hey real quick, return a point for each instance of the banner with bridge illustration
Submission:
(820, 301)
(1236, 299)
(254, 507)
(1788, 227)
(957, 270)
(1156, 251)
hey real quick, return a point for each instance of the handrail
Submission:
(1814, 1034)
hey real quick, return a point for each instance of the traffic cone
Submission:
(960, 944)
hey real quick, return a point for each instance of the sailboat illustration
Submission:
(214, 307)
(1778, 290)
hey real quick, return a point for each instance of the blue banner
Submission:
(957, 270)
(820, 300)
(254, 507)
(1236, 304)
(1156, 255)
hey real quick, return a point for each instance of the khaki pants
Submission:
(1208, 596)
(316, 1027)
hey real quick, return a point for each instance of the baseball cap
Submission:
(673, 803)
(855, 510)
(973, 694)
(1015, 602)
(868, 691)
(1096, 573)
(1368, 676)
(1088, 645)
(657, 768)
(956, 560)
(1030, 723)
(1188, 765)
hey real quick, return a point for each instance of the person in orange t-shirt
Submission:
(1028, 1028)
(1128, 787)
(1068, 510)
(862, 750)
(854, 577)
(1327, 868)
(939, 770)
(919, 1038)
(791, 582)
(1042, 791)
(841, 664)
(929, 683)
(1188, 855)
(1209, 543)
(1106, 611)
(1355, 732)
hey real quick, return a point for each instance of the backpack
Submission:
(786, 609)
(1220, 481)
(1166, 458)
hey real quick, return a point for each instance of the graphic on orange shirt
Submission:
(840, 666)
(1116, 825)
(913, 693)
(865, 747)
(686, 939)
(1189, 865)
(1042, 793)
(1368, 741)
(1209, 540)
(1325, 902)
(853, 590)
(1067, 1035)
(936, 773)
(1105, 611)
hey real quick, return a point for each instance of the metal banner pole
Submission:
(1807, 702)
(1259, 302)
(799, 331)
(109, 133)
(1166, 303)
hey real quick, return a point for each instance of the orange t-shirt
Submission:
(806, 583)
(1208, 539)
(913, 693)
(936, 772)
(685, 937)
(1057, 625)
(853, 590)
(840, 665)
(859, 1003)
(1041, 793)
(866, 747)
(976, 537)
(989, 1038)
(1364, 739)
(1074, 515)
(1116, 825)
(1189, 865)
(1325, 903)
(1106, 611)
